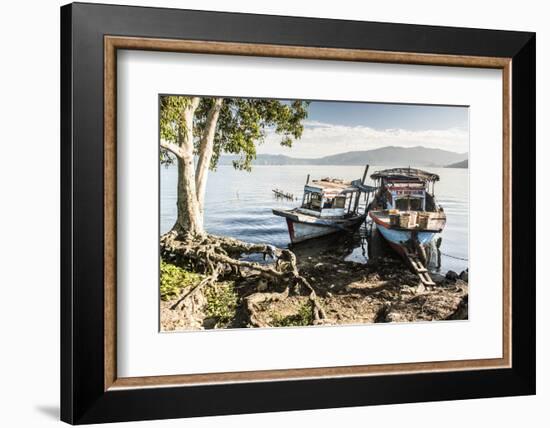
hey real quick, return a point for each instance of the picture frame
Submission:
(91, 391)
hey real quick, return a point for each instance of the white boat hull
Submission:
(302, 228)
(300, 232)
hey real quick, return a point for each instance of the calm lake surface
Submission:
(239, 203)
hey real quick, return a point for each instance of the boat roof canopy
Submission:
(335, 186)
(331, 185)
(407, 174)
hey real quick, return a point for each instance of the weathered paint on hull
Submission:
(300, 232)
(399, 237)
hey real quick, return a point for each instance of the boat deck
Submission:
(435, 224)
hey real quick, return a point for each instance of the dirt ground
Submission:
(383, 290)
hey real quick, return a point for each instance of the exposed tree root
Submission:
(253, 301)
(221, 257)
(209, 280)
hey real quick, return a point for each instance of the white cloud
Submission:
(322, 139)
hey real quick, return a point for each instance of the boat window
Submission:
(409, 204)
(339, 202)
(312, 201)
(430, 202)
(315, 201)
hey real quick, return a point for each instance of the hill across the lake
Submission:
(392, 155)
(461, 164)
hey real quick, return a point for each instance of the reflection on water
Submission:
(239, 204)
(347, 246)
(358, 247)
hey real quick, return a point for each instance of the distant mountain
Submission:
(461, 164)
(392, 155)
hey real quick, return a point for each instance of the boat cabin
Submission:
(329, 206)
(330, 198)
(406, 189)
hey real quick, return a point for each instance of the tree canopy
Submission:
(242, 124)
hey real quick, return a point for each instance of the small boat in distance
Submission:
(406, 213)
(329, 205)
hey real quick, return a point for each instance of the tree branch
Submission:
(171, 147)
(185, 137)
(194, 103)
(206, 148)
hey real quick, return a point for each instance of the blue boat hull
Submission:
(399, 237)
(406, 240)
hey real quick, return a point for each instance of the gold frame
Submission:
(112, 43)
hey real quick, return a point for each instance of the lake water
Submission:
(239, 203)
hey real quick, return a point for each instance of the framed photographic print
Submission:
(272, 213)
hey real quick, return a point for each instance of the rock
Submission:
(452, 275)
(437, 278)
(461, 312)
(262, 285)
(396, 317)
(318, 265)
(209, 323)
(464, 275)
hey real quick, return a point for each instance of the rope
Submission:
(454, 257)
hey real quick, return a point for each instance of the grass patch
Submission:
(302, 318)
(221, 303)
(173, 278)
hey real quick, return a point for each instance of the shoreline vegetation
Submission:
(319, 289)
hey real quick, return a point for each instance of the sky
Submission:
(338, 127)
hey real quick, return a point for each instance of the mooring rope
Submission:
(454, 257)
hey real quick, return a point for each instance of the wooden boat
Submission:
(405, 211)
(328, 206)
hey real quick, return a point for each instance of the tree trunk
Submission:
(189, 215)
(206, 149)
